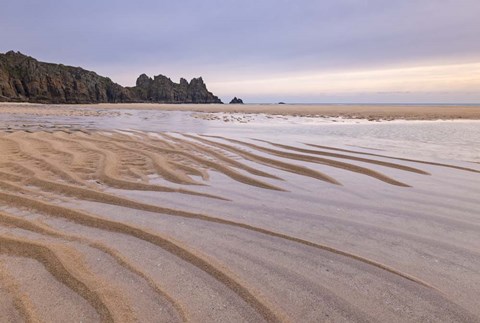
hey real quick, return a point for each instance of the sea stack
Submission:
(236, 100)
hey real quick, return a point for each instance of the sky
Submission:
(303, 51)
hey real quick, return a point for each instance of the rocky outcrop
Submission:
(236, 100)
(164, 90)
(24, 79)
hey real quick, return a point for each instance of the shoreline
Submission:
(361, 111)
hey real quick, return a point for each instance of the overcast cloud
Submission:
(264, 42)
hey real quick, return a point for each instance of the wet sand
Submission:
(371, 112)
(128, 225)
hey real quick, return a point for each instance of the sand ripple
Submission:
(69, 208)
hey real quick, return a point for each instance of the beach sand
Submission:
(372, 112)
(211, 226)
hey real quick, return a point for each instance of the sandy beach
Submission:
(136, 213)
(372, 112)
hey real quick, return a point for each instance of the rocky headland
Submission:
(25, 79)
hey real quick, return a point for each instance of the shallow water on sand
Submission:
(176, 216)
(457, 140)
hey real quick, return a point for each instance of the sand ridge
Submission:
(48, 178)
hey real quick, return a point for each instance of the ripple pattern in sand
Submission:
(67, 222)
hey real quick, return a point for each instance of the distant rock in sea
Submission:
(24, 79)
(236, 100)
(281, 102)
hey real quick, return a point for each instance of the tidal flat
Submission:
(137, 213)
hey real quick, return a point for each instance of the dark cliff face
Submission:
(23, 78)
(164, 90)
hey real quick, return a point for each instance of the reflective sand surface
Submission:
(135, 215)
